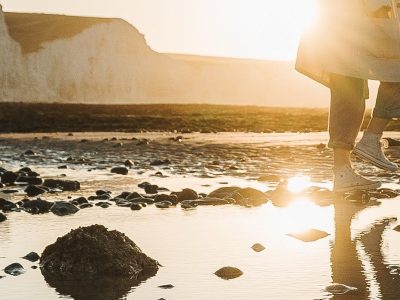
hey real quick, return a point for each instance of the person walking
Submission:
(353, 42)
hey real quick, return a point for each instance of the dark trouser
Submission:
(348, 108)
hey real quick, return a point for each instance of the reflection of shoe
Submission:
(370, 149)
(347, 180)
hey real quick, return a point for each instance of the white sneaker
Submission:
(371, 150)
(347, 180)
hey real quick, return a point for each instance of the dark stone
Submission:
(6, 205)
(102, 197)
(9, 177)
(24, 170)
(37, 206)
(159, 162)
(81, 200)
(208, 201)
(228, 273)
(170, 198)
(63, 208)
(29, 153)
(63, 167)
(151, 189)
(65, 185)
(30, 180)
(143, 184)
(85, 205)
(128, 163)
(143, 200)
(92, 252)
(33, 191)
(188, 204)
(136, 206)
(14, 269)
(2, 217)
(120, 170)
(102, 192)
(123, 195)
(166, 286)
(164, 204)
(187, 194)
(10, 191)
(33, 174)
(133, 195)
(32, 256)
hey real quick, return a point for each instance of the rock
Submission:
(211, 201)
(321, 146)
(270, 178)
(30, 180)
(6, 205)
(14, 269)
(94, 251)
(166, 286)
(102, 192)
(339, 289)
(32, 256)
(143, 200)
(258, 247)
(62, 208)
(143, 184)
(81, 200)
(187, 194)
(163, 204)
(188, 204)
(224, 192)
(29, 153)
(249, 197)
(133, 195)
(159, 162)
(135, 206)
(151, 189)
(33, 191)
(37, 206)
(63, 167)
(397, 228)
(65, 185)
(9, 177)
(128, 163)
(120, 170)
(85, 205)
(101, 197)
(228, 273)
(2, 217)
(123, 195)
(310, 235)
(169, 198)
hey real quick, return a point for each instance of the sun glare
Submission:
(298, 184)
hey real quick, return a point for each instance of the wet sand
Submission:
(192, 244)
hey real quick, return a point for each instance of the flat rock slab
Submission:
(258, 247)
(339, 289)
(228, 273)
(310, 235)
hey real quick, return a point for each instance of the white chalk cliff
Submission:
(55, 58)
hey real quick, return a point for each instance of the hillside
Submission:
(55, 58)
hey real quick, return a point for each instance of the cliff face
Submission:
(53, 58)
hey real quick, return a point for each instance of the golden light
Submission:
(299, 183)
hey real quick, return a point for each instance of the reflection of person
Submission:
(355, 41)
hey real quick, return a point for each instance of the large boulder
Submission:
(95, 252)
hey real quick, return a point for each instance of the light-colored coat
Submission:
(349, 39)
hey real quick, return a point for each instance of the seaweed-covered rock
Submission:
(94, 251)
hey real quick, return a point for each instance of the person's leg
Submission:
(387, 107)
(345, 116)
(345, 119)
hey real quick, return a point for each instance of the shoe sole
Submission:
(372, 160)
(367, 187)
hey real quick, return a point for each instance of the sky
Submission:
(258, 29)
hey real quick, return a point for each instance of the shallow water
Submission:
(192, 244)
